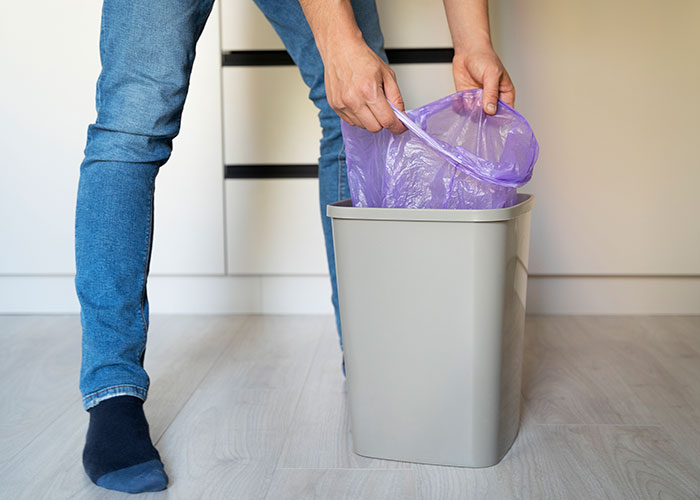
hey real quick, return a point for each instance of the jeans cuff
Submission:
(116, 390)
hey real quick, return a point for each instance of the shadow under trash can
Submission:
(432, 307)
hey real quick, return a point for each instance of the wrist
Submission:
(338, 38)
(333, 25)
(473, 44)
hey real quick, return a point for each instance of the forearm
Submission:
(358, 82)
(469, 23)
(332, 23)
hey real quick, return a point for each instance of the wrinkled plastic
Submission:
(453, 155)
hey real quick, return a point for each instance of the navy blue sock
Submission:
(119, 454)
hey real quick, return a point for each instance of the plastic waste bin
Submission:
(432, 308)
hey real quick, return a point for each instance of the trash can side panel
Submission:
(384, 325)
(429, 286)
(490, 281)
(513, 333)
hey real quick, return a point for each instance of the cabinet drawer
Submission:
(413, 23)
(268, 117)
(405, 24)
(273, 226)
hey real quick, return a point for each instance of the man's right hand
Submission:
(358, 84)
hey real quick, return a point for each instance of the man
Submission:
(147, 50)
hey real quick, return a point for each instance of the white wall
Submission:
(46, 100)
(50, 61)
(609, 88)
(611, 91)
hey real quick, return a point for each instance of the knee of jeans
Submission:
(137, 123)
(139, 104)
(105, 144)
(137, 117)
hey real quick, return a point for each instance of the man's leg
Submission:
(288, 20)
(147, 50)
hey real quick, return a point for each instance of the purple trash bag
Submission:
(453, 155)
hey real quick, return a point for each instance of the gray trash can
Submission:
(432, 308)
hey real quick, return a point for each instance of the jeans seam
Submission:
(340, 172)
(97, 393)
(98, 85)
(149, 234)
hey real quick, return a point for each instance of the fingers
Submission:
(345, 107)
(386, 115)
(492, 82)
(367, 107)
(355, 110)
(391, 90)
(347, 118)
(507, 91)
(376, 116)
(367, 120)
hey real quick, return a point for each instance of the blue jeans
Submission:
(147, 49)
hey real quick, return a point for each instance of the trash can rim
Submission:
(344, 210)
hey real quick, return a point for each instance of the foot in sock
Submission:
(119, 454)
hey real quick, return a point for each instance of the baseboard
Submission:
(180, 295)
(312, 295)
(613, 295)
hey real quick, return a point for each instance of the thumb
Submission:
(392, 92)
(490, 95)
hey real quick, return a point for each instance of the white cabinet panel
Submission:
(274, 227)
(405, 24)
(268, 117)
(47, 99)
(46, 105)
(423, 83)
(615, 111)
(413, 23)
(244, 27)
(189, 219)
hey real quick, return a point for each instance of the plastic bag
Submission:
(453, 155)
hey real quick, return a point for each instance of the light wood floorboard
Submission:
(254, 407)
(39, 370)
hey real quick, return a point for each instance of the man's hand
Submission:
(358, 82)
(481, 68)
(475, 64)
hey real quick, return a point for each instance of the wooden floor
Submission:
(254, 407)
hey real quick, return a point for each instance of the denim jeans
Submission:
(147, 49)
